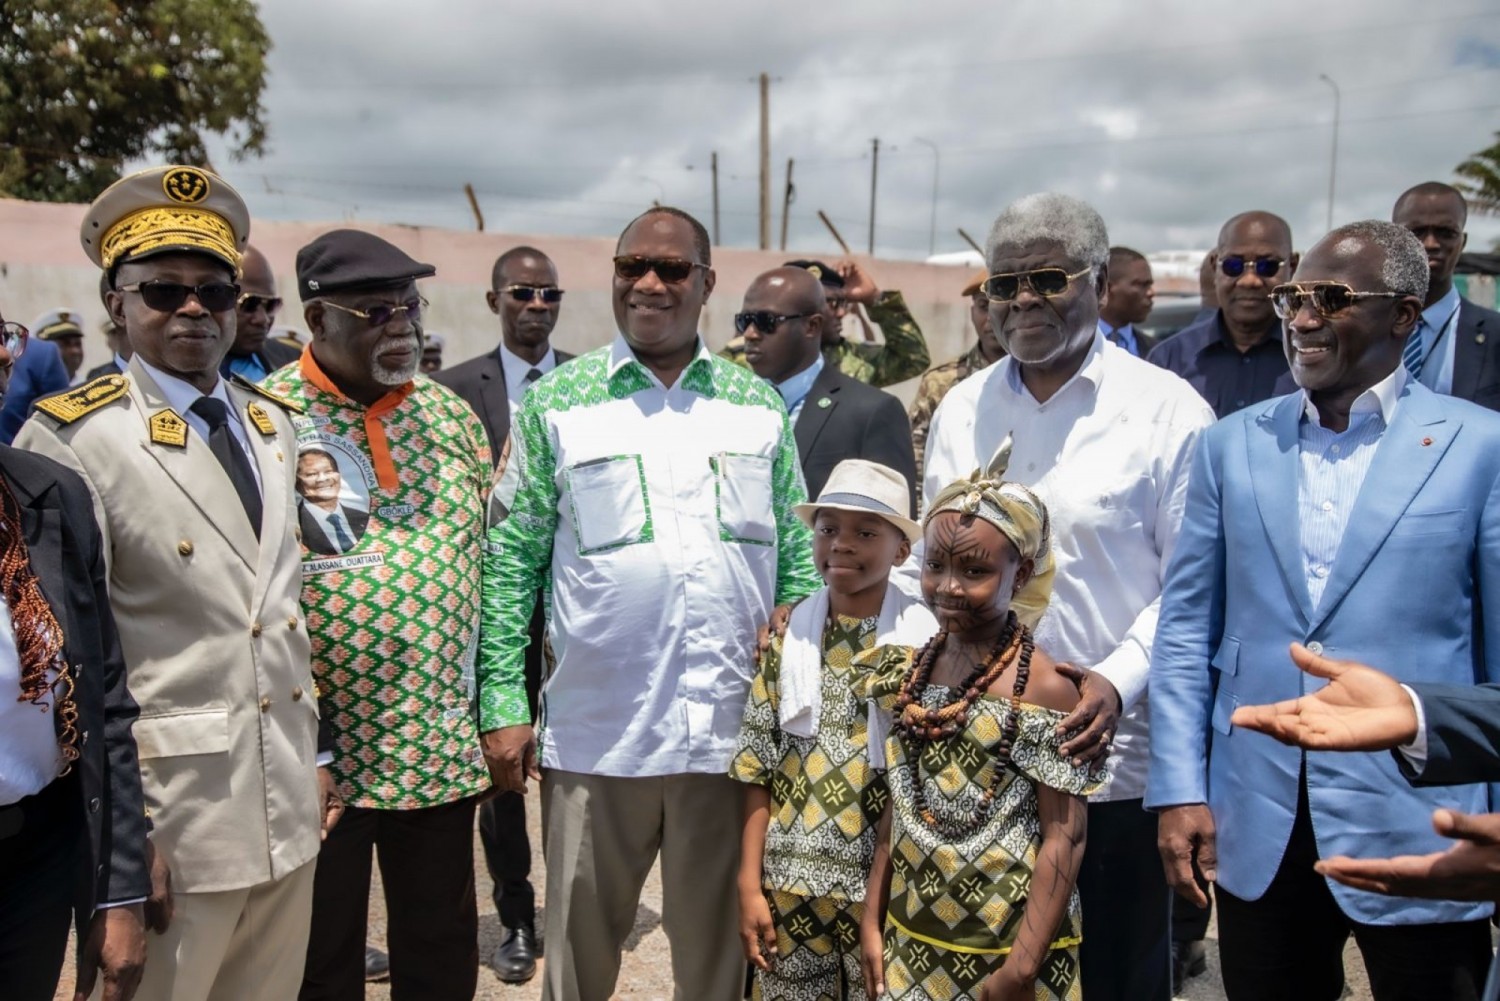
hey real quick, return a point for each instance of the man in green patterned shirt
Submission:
(391, 593)
(655, 502)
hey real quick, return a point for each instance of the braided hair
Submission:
(39, 637)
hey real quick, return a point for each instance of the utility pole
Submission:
(1333, 159)
(786, 202)
(765, 161)
(874, 174)
(937, 166)
(713, 166)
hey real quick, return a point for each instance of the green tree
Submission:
(88, 85)
(1480, 179)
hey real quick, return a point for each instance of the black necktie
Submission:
(339, 535)
(231, 456)
(531, 377)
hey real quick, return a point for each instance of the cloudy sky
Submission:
(568, 117)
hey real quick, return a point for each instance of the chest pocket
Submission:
(744, 491)
(607, 498)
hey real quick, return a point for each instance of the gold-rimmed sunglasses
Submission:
(379, 316)
(1326, 298)
(1045, 282)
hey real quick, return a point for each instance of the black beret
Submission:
(348, 259)
(822, 272)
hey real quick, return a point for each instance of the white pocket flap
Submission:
(608, 498)
(204, 732)
(745, 498)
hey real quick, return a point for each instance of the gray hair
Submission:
(1404, 269)
(1060, 218)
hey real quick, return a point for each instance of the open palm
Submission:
(1360, 709)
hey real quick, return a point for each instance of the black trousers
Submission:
(1126, 952)
(502, 819)
(427, 865)
(1289, 944)
(1189, 921)
(42, 855)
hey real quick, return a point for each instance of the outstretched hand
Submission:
(1470, 870)
(1360, 709)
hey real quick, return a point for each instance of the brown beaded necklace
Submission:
(918, 726)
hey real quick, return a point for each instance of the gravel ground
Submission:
(646, 972)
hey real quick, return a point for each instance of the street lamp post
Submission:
(937, 163)
(1333, 158)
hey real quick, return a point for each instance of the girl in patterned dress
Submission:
(971, 891)
(812, 794)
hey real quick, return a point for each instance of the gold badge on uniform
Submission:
(168, 429)
(261, 420)
(187, 185)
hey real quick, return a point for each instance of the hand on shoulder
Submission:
(1048, 687)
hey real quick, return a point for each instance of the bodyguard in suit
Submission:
(1127, 301)
(525, 295)
(191, 480)
(1456, 346)
(72, 824)
(255, 354)
(834, 417)
(1358, 516)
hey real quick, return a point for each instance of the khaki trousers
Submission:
(235, 945)
(602, 835)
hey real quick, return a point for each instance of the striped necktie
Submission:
(1411, 355)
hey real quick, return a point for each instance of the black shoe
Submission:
(1189, 959)
(377, 964)
(515, 959)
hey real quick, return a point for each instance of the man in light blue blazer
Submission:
(1361, 517)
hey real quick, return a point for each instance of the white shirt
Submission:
(515, 369)
(1109, 454)
(181, 396)
(29, 756)
(794, 390)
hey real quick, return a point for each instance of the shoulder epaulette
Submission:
(259, 390)
(69, 406)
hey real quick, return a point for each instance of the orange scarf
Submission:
(380, 449)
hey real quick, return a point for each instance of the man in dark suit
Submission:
(72, 820)
(525, 295)
(1128, 299)
(255, 354)
(834, 417)
(329, 526)
(1456, 346)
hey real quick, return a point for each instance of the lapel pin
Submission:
(1478, 338)
(1426, 442)
(825, 402)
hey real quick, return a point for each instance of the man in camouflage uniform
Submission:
(902, 356)
(937, 380)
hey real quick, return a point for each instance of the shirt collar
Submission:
(794, 390)
(1126, 332)
(1091, 371)
(1437, 315)
(1380, 398)
(622, 359)
(1221, 335)
(515, 367)
(180, 394)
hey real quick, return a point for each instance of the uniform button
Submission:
(185, 547)
(1328, 505)
(1315, 648)
(298, 534)
(255, 629)
(265, 705)
(94, 805)
(291, 622)
(297, 693)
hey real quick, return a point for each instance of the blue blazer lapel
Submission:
(1274, 473)
(1401, 466)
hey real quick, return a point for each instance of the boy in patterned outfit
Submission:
(813, 793)
(392, 475)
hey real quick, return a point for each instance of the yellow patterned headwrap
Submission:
(1020, 516)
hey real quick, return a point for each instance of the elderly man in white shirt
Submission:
(1106, 440)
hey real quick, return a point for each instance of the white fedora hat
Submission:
(862, 485)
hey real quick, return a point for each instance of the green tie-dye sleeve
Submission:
(796, 577)
(517, 561)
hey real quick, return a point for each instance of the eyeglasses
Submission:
(13, 338)
(530, 293)
(1326, 298)
(1046, 282)
(764, 320)
(670, 270)
(168, 297)
(250, 302)
(379, 316)
(1265, 267)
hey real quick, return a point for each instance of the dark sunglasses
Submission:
(168, 297)
(764, 320)
(670, 270)
(250, 302)
(379, 316)
(1326, 298)
(13, 338)
(530, 293)
(1046, 282)
(1265, 267)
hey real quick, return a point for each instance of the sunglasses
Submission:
(1047, 282)
(250, 302)
(168, 297)
(670, 270)
(13, 338)
(1264, 267)
(530, 293)
(379, 316)
(764, 320)
(1326, 298)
